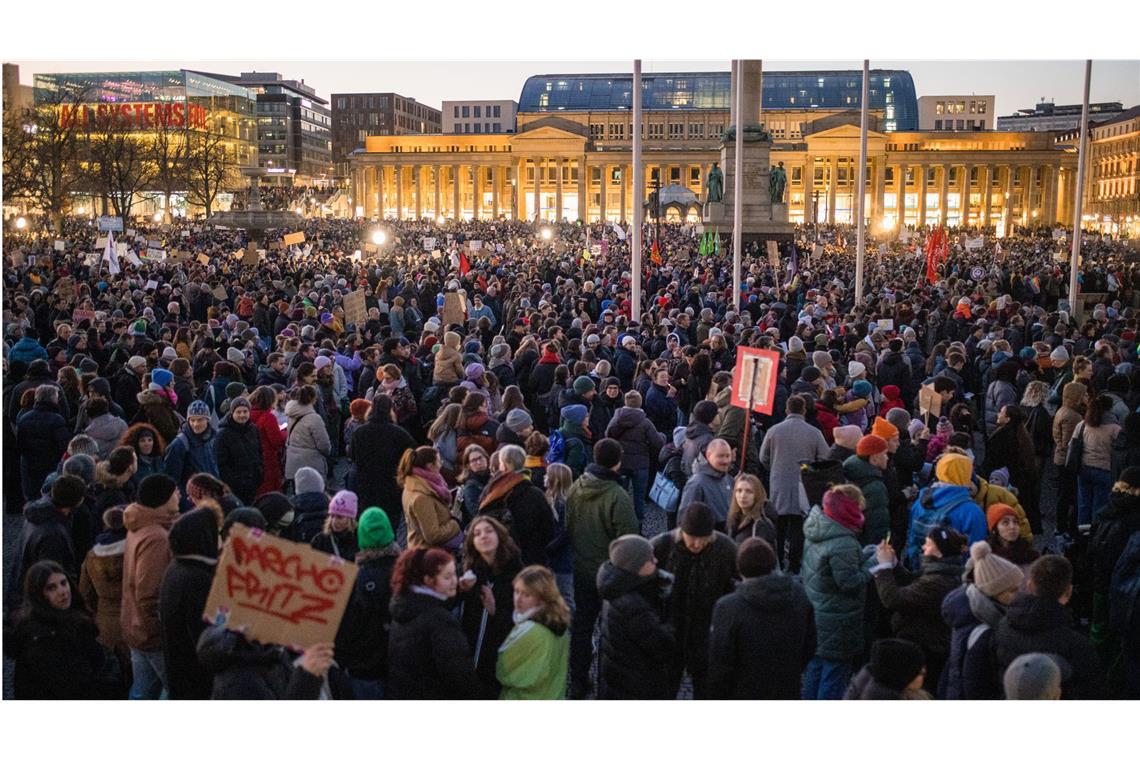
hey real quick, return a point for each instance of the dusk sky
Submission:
(1016, 84)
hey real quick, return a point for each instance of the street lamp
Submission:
(158, 216)
(378, 237)
(546, 233)
(21, 223)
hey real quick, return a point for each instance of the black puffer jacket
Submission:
(58, 658)
(637, 643)
(42, 436)
(362, 640)
(46, 534)
(428, 656)
(699, 581)
(762, 637)
(238, 450)
(894, 370)
(247, 670)
(1037, 624)
(1113, 527)
(916, 607)
(182, 600)
(640, 441)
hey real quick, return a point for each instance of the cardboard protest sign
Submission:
(78, 315)
(355, 309)
(276, 245)
(219, 292)
(437, 254)
(101, 242)
(294, 238)
(203, 258)
(185, 233)
(133, 258)
(130, 233)
(249, 256)
(475, 245)
(370, 247)
(816, 252)
(177, 257)
(929, 402)
(773, 254)
(111, 223)
(17, 259)
(61, 245)
(90, 259)
(151, 285)
(754, 377)
(429, 243)
(454, 308)
(155, 254)
(278, 592)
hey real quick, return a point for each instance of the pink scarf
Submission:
(436, 482)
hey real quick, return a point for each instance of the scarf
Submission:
(434, 481)
(844, 511)
(500, 486)
(984, 608)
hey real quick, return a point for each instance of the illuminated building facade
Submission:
(571, 157)
(955, 113)
(359, 115)
(1112, 191)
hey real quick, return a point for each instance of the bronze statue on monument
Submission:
(777, 181)
(714, 185)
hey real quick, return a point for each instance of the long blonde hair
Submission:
(552, 612)
(735, 512)
(557, 482)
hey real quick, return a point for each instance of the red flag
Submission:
(655, 254)
(464, 264)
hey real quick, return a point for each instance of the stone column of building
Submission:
(900, 203)
(539, 166)
(921, 173)
(495, 179)
(369, 195)
(808, 182)
(357, 189)
(879, 180)
(943, 200)
(1032, 204)
(1007, 197)
(603, 189)
(417, 175)
(965, 195)
(987, 194)
(832, 181)
(476, 192)
(625, 169)
(382, 179)
(1050, 216)
(456, 188)
(437, 209)
(559, 165)
(583, 189)
(519, 209)
(398, 176)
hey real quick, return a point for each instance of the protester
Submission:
(532, 661)
(182, 602)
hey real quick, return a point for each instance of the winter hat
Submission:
(630, 552)
(755, 558)
(861, 389)
(1131, 476)
(1060, 354)
(855, 369)
(308, 480)
(235, 355)
(68, 491)
(574, 414)
(474, 371)
(518, 420)
(136, 362)
(169, 353)
(196, 533)
(239, 401)
(359, 407)
(374, 530)
(161, 377)
(955, 469)
(234, 389)
(821, 359)
(914, 428)
(705, 411)
(1036, 675)
(698, 520)
(197, 409)
(583, 385)
(1027, 353)
(896, 662)
(810, 374)
(884, 429)
(321, 362)
(843, 510)
(944, 427)
(996, 512)
(155, 490)
(870, 445)
(274, 507)
(247, 516)
(950, 542)
(795, 345)
(343, 504)
(847, 436)
(993, 574)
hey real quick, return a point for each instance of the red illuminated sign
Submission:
(136, 115)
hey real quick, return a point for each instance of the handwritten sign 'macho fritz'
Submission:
(278, 592)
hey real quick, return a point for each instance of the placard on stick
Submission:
(929, 402)
(755, 376)
(249, 257)
(355, 308)
(294, 238)
(278, 592)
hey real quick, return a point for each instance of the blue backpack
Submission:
(926, 518)
(557, 453)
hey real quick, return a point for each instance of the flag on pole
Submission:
(619, 231)
(716, 242)
(110, 255)
(655, 254)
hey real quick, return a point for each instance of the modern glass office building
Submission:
(891, 92)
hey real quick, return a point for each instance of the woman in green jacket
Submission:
(533, 660)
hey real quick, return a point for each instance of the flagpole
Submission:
(860, 188)
(1074, 258)
(638, 196)
(738, 189)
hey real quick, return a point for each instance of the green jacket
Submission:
(878, 511)
(835, 580)
(532, 662)
(598, 510)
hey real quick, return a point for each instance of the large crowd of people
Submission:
(546, 498)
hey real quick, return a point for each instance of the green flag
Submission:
(716, 239)
(701, 247)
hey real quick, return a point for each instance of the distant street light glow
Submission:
(378, 237)
(21, 223)
(546, 233)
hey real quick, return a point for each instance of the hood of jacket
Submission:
(295, 410)
(407, 607)
(860, 471)
(944, 495)
(819, 528)
(136, 517)
(697, 430)
(614, 582)
(220, 650)
(195, 534)
(956, 609)
(149, 397)
(768, 593)
(892, 359)
(42, 511)
(702, 467)
(627, 418)
(1033, 614)
(1122, 506)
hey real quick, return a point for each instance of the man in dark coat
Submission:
(376, 450)
(237, 447)
(703, 563)
(362, 639)
(512, 499)
(42, 436)
(1037, 621)
(637, 642)
(763, 634)
(128, 385)
(46, 535)
(641, 444)
(182, 600)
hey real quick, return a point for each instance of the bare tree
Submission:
(119, 160)
(169, 153)
(210, 166)
(43, 153)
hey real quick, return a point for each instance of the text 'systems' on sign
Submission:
(134, 115)
(278, 592)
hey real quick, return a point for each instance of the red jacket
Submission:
(273, 440)
(828, 421)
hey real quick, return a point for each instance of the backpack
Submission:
(557, 453)
(926, 519)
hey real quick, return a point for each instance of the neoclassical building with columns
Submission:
(571, 158)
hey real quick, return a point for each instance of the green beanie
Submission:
(373, 530)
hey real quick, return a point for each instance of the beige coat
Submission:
(429, 520)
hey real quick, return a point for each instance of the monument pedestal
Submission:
(761, 219)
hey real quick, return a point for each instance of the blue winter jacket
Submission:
(26, 350)
(189, 454)
(943, 504)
